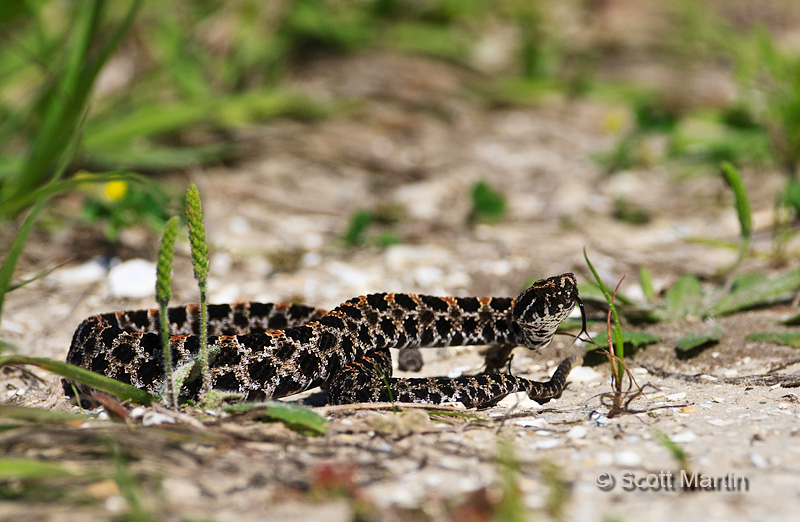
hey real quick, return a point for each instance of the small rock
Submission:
(604, 459)
(627, 458)
(684, 437)
(133, 279)
(546, 443)
(583, 375)
(180, 490)
(531, 423)
(89, 272)
(758, 460)
(720, 423)
(428, 276)
(577, 432)
(153, 418)
(676, 396)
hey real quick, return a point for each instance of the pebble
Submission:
(132, 279)
(180, 490)
(531, 423)
(676, 396)
(577, 432)
(720, 423)
(627, 458)
(684, 437)
(154, 418)
(583, 375)
(546, 443)
(88, 272)
(758, 460)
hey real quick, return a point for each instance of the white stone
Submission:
(676, 396)
(627, 458)
(583, 375)
(546, 443)
(684, 437)
(758, 460)
(577, 432)
(132, 279)
(85, 273)
(531, 423)
(180, 490)
(154, 418)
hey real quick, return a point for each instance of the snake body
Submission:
(264, 351)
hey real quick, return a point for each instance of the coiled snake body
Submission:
(271, 351)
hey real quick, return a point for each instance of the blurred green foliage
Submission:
(488, 204)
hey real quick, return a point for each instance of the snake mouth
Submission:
(583, 325)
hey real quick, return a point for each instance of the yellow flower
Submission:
(115, 190)
(614, 121)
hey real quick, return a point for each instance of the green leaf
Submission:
(646, 282)
(692, 341)
(734, 181)
(632, 340)
(38, 415)
(756, 292)
(297, 418)
(26, 469)
(356, 233)
(784, 338)
(684, 298)
(487, 203)
(77, 374)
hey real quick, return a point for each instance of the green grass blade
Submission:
(28, 469)
(69, 98)
(10, 262)
(77, 374)
(631, 340)
(155, 158)
(758, 293)
(783, 338)
(693, 341)
(146, 121)
(58, 187)
(617, 332)
(646, 282)
(295, 417)
(734, 181)
(37, 415)
(683, 299)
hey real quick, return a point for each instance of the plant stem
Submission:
(204, 339)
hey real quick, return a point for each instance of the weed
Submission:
(362, 220)
(773, 76)
(197, 240)
(163, 294)
(356, 234)
(559, 490)
(511, 506)
(120, 204)
(488, 204)
(616, 346)
(674, 449)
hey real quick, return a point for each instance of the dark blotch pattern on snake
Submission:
(267, 351)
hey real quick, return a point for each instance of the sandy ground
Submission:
(418, 143)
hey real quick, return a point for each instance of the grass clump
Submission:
(488, 204)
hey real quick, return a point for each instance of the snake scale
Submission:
(265, 351)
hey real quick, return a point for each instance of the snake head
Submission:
(540, 308)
